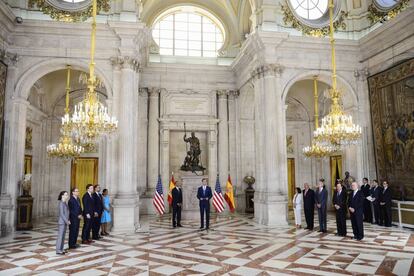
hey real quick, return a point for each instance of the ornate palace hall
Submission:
(207, 137)
(234, 246)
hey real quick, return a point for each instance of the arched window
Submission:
(386, 4)
(73, 1)
(310, 9)
(188, 31)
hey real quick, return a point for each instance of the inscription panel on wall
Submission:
(188, 104)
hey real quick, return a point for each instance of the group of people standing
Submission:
(368, 203)
(95, 211)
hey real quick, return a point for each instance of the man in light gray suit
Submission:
(63, 221)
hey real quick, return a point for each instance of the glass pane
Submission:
(209, 36)
(181, 35)
(155, 33)
(209, 27)
(166, 25)
(219, 37)
(209, 46)
(194, 53)
(166, 43)
(166, 34)
(181, 26)
(164, 51)
(168, 18)
(218, 45)
(209, 54)
(195, 45)
(179, 52)
(194, 36)
(181, 44)
(194, 18)
(181, 17)
(194, 27)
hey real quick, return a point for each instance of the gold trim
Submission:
(290, 19)
(69, 16)
(377, 15)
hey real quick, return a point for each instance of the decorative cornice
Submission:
(271, 69)
(376, 14)
(69, 15)
(130, 63)
(290, 19)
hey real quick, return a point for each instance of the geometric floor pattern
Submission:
(234, 246)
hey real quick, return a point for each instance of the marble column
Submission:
(212, 156)
(142, 140)
(223, 137)
(233, 94)
(153, 139)
(13, 159)
(126, 212)
(112, 143)
(271, 167)
(165, 158)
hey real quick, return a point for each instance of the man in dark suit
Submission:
(75, 215)
(309, 205)
(366, 191)
(385, 205)
(376, 190)
(88, 210)
(204, 195)
(177, 201)
(98, 209)
(356, 210)
(339, 202)
(321, 196)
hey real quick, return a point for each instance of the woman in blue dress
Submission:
(106, 214)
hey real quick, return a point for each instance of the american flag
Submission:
(218, 200)
(158, 199)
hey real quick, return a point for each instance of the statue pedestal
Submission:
(24, 213)
(190, 184)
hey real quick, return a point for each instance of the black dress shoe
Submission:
(306, 228)
(201, 227)
(60, 253)
(179, 225)
(174, 226)
(72, 247)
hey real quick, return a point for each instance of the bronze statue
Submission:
(192, 160)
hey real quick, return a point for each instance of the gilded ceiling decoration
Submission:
(376, 13)
(69, 12)
(290, 19)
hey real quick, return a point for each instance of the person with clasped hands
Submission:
(356, 209)
(204, 195)
(63, 221)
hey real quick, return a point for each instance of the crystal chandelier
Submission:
(66, 148)
(90, 119)
(316, 149)
(337, 128)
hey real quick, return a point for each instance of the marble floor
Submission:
(234, 246)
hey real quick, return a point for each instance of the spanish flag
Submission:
(172, 185)
(228, 196)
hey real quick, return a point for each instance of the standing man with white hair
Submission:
(356, 210)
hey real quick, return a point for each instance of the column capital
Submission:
(125, 62)
(233, 94)
(361, 74)
(154, 91)
(143, 91)
(222, 93)
(268, 69)
(9, 58)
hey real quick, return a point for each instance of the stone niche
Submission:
(178, 149)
